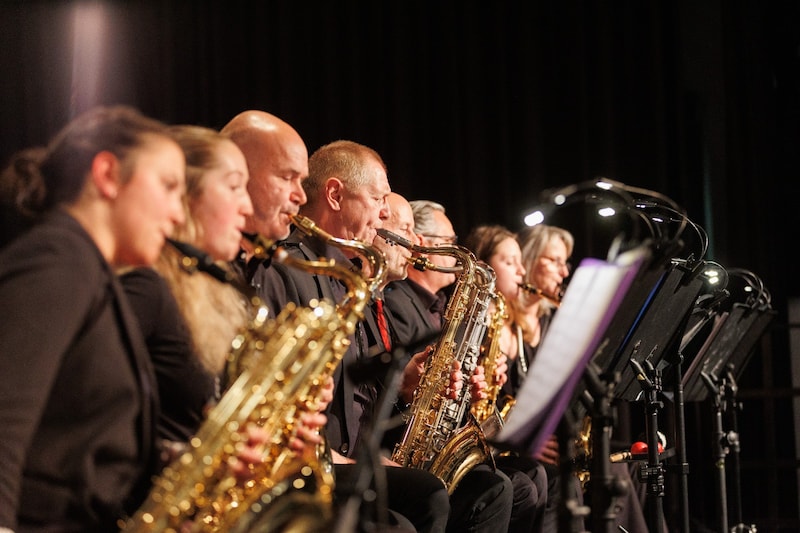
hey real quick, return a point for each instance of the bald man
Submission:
(277, 159)
(279, 167)
(400, 222)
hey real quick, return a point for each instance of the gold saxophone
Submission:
(583, 452)
(280, 367)
(485, 410)
(441, 435)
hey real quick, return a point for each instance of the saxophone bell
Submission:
(530, 289)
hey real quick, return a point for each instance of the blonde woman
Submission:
(190, 320)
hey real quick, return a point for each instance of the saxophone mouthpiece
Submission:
(196, 259)
(303, 222)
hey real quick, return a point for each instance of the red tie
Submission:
(383, 326)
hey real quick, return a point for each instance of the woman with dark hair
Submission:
(77, 399)
(497, 247)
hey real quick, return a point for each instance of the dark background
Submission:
(482, 108)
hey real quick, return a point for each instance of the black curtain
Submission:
(480, 106)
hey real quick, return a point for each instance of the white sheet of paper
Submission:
(588, 305)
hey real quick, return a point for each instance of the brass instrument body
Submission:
(441, 435)
(583, 452)
(486, 408)
(279, 367)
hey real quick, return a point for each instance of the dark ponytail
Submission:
(38, 179)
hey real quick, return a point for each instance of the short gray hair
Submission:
(423, 215)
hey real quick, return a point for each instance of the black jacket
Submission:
(77, 396)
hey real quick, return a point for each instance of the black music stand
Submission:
(596, 291)
(714, 373)
(647, 344)
(730, 343)
(643, 337)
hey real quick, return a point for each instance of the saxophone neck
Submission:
(360, 287)
(419, 259)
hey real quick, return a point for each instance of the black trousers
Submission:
(529, 479)
(416, 499)
(482, 502)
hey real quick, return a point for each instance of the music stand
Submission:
(643, 335)
(657, 333)
(731, 341)
(649, 344)
(713, 373)
(574, 336)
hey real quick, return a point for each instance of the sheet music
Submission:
(594, 293)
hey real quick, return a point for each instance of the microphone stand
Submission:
(605, 488)
(721, 448)
(680, 446)
(650, 382)
(355, 513)
(570, 513)
(731, 406)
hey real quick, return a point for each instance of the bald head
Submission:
(277, 159)
(401, 216)
(400, 222)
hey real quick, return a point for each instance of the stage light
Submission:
(534, 218)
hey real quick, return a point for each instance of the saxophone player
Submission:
(546, 250)
(189, 321)
(277, 161)
(416, 305)
(498, 247)
(345, 188)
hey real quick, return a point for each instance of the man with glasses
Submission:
(416, 306)
(417, 303)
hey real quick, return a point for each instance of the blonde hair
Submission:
(213, 311)
(532, 241)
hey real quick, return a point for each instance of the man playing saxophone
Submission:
(417, 306)
(346, 191)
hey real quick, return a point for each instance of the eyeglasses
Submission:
(450, 239)
(558, 263)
